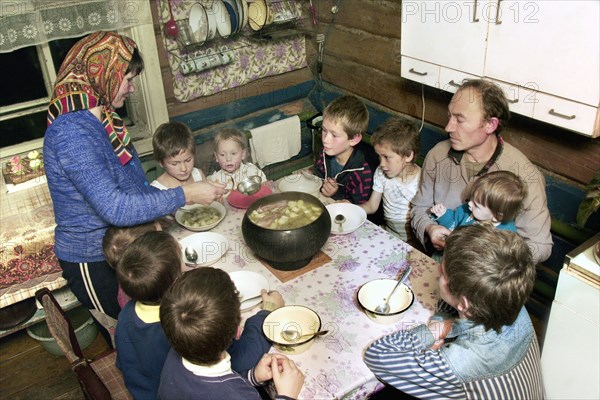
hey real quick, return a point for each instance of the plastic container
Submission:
(85, 331)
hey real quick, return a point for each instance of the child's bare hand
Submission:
(262, 370)
(287, 377)
(438, 210)
(437, 235)
(439, 330)
(271, 300)
(330, 187)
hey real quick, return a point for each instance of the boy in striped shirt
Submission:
(490, 350)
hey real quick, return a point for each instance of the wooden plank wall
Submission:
(362, 56)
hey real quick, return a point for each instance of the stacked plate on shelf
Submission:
(222, 17)
(259, 14)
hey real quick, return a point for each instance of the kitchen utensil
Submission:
(340, 219)
(258, 296)
(384, 307)
(191, 255)
(250, 185)
(171, 26)
(293, 335)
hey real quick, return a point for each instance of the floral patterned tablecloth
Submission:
(333, 366)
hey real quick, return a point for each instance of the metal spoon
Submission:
(384, 308)
(191, 255)
(293, 336)
(340, 219)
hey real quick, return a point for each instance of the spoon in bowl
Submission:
(384, 307)
(340, 219)
(191, 255)
(293, 336)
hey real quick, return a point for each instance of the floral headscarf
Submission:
(90, 76)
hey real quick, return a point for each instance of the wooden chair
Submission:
(100, 378)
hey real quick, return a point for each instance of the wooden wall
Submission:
(362, 56)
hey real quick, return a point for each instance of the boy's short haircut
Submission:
(200, 315)
(502, 192)
(493, 269)
(230, 134)
(117, 239)
(149, 266)
(400, 134)
(351, 113)
(171, 138)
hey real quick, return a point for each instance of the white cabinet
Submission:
(544, 54)
(571, 353)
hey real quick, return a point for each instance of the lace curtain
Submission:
(31, 22)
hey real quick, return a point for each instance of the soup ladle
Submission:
(384, 307)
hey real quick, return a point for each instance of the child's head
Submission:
(487, 274)
(174, 149)
(349, 113)
(396, 142)
(200, 315)
(149, 266)
(117, 239)
(230, 148)
(497, 196)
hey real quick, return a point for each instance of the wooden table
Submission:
(333, 366)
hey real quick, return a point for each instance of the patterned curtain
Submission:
(26, 23)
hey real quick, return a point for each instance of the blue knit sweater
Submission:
(91, 190)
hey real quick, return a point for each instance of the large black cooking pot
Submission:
(287, 250)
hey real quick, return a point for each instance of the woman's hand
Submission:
(203, 192)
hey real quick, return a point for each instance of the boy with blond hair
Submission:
(396, 179)
(344, 168)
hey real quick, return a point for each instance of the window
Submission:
(32, 71)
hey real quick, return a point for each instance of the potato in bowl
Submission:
(201, 218)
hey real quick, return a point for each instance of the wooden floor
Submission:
(29, 372)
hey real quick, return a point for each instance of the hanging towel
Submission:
(275, 142)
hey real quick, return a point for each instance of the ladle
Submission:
(384, 308)
(170, 25)
(293, 336)
(340, 219)
(191, 255)
(250, 185)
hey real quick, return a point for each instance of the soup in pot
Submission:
(285, 214)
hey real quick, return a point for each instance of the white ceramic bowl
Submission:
(211, 13)
(222, 18)
(257, 14)
(209, 246)
(198, 21)
(355, 217)
(179, 214)
(249, 284)
(300, 183)
(297, 318)
(373, 293)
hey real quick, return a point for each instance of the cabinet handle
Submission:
(559, 115)
(475, 19)
(513, 101)
(498, 22)
(452, 83)
(412, 70)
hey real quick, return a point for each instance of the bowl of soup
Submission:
(286, 229)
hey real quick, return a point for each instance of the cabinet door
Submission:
(550, 45)
(446, 33)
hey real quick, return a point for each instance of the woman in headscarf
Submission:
(94, 173)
